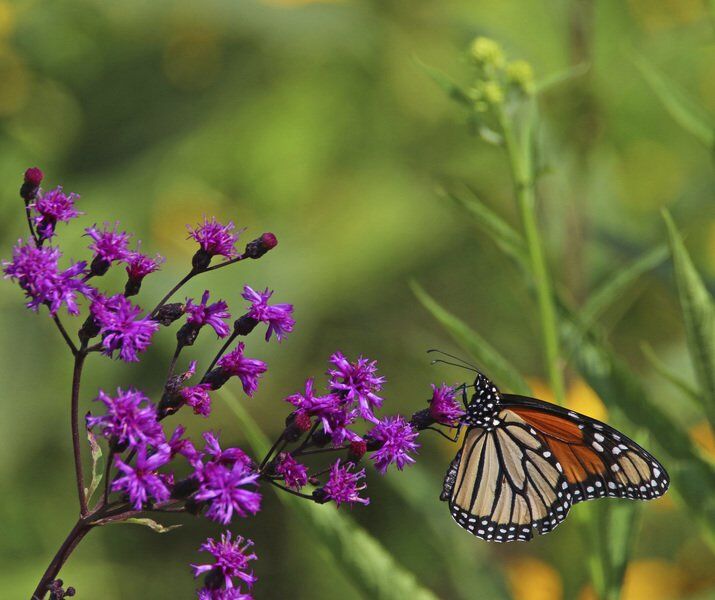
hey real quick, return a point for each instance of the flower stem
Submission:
(519, 152)
(225, 263)
(220, 353)
(79, 475)
(65, 335)
(74, 537)
(173, 290)
(290, 491)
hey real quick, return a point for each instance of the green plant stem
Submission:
(522, 171)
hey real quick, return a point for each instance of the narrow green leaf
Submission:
(662, 369)
(97, 466)
(454, 91)
(689, 115)
(486, 356)
(616, 285)
(150, 523)
(503, 234)
(699, 317)
(555, 79)
(368, 565)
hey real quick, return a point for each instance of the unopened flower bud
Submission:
(184, 488)
(486, 53)
(261, 245)
(321, 496)
(422, 419)
(99, 266)
(168, 313)
(302, 420)
(31, 183)
(521, 75)
(357, 449)
(90, 329)
(321, 438)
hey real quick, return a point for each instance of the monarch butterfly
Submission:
(525, 462)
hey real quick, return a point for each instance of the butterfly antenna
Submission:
(461, 360)
(446, 362)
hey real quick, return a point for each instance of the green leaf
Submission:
(486, 356)
(150, 523)
(617, 284)
(368, 565)
(555, 79)
(689, 115)
(503, 234)
(662, 369)
(97, 466)
(699, 317)
(453, 91)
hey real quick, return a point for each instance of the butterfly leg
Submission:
(463, 389)
(458, 430)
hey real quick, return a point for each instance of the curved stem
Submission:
(65, 335)
(79, 475)
(74, 537)
(290, 491)
(220, 353)
(172, 291)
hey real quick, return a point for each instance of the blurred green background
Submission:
(312, 120)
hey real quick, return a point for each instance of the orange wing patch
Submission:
(565, 440)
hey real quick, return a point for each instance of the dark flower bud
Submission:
(184, 488)
(357, 449)
(201, 260)
(321, 496)
(214, 579)
(320, 438)
(302, 421)
(90, 329)
(168, 313)
(193, 508)
(244, 325)
(371, 444)
(186, 336)
(261, 245)
(313, 480)
(69, 592)
(117, 446)
(216, 378)
(422, 419)
(132, 287)
(31, 184)
(99, 266)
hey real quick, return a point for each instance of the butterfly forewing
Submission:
(505, 482)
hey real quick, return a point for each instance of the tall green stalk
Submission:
(519, 151)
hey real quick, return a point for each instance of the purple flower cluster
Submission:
(37, 272)
(231, 563)
(221, 484)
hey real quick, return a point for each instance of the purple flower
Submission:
(294, 473)
(178, 444)
(248, 370)
(130, 419)
(218, 455)
(231, 558)
(207, 593)
(229, 490)
(314, 405)
(197, 397)
(35, 270)
(53, 206)
(215, 238)
(443, 407)
(336, 425)
(357, 382)
(397, 440)
(121, 327)
(108, 244)
(140, 265)
(278, 316)
(344, 486)
(142, 482)
(212, 314)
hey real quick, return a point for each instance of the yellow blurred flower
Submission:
(533, 579)
(487, 53)
(520, 74)
(652, 579)
(7, 19)
(579, 397)
(702, 434)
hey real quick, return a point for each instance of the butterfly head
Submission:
(484, 403)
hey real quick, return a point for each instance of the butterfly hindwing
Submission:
(505, 482)
(597, 460)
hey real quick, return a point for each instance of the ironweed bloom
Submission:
(36, 271)
(231, 562)
(443, 406)
(222, 483)
(53, 207)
